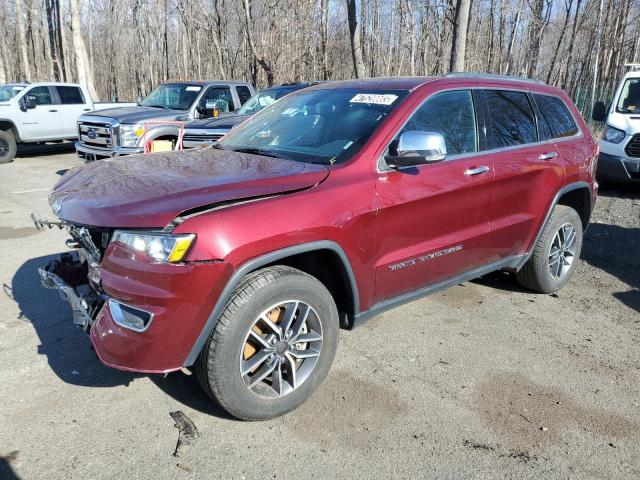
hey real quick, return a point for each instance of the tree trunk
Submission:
(22, 41)
(354, 36)
(459, 40)
(264, 64)
(85, 72)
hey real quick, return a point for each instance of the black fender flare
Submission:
(566, 189)
(255, 264)
(12, 128)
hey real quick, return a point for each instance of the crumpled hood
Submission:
(137, 114)
(149, 191)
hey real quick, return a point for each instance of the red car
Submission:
(328, 207)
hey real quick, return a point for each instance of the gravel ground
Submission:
(484, 380)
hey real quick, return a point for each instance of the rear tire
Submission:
(272, 346)
(556, 253)
(8, 146)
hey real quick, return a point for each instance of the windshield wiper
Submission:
(257, 151)
(158, 106)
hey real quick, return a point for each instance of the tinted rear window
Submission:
(556, 120)
(512, 119)
(70, 95)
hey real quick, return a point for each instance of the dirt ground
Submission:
(484, 380)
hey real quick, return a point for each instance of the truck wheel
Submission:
(8, 147)
(272, 346)
(556, 253)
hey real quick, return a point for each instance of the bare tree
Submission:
(459, 44)
(22, 41)
(354, 37)
(262, 61)
(85, 72)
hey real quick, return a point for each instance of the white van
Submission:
(620, 143)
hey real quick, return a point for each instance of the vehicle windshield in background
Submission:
(629, 101)
(173, 96)
(263, 99)
(7, 92)
(316, 126)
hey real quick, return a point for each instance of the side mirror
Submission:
(418, 148)
(28, 102)
(202, 112)
(599, 113)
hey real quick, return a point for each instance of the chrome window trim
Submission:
(381, 164)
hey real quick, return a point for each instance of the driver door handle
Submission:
(548, 156)
(477, 170)
(53, 111)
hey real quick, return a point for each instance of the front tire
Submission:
(272, 346)
(8, 146)
(555, 254)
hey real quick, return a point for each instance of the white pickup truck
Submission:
(42, 112)
(619, 159)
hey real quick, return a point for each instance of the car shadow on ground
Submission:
(67, 348)
(69, 351)
(616, 250)
(38, 150)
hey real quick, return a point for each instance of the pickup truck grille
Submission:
(96, 135)
(202, 138)
(633, 147)
(194, 140)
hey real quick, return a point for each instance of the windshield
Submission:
(7, 92)
(174, 96)
(629, 101)
(263, 99)
(316, 126)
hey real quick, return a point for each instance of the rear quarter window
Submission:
(70, 95)
(557, 121)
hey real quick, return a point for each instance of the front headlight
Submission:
(159, 246)
(129, 134)
(613, 135)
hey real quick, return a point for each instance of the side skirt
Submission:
(508, 263)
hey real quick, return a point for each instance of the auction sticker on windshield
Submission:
(377, 98)
(194, 89)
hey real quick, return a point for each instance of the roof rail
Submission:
(492, 76)
(633, 66)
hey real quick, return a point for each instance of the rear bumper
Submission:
(175, 299)
(618, 169)
(89, 154)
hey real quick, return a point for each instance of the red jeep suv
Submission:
(332, 205)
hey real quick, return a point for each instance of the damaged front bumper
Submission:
(68, 275)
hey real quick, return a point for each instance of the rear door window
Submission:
(244, 94)
(512, 119)
(70, 95)
(450, 114)
(556, 121)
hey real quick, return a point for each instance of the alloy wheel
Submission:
(4, 147)
(562, 251)
(281, 349)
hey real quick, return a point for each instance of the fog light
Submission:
(129, 317)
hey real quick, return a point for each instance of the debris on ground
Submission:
(184, 467)
(188, 432)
